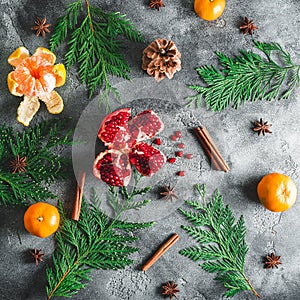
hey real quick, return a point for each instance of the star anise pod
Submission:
(156, 4)
(170, 289)
(18, 164)
(37, 255)
(248, 26)
(41, 27)
(262, 127)
(168, 193)
(272, 261)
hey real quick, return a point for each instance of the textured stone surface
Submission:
(249, 156)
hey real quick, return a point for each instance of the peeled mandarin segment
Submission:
(12, 85)
(60, 74)
(27, 109)
(46, 54)
(54, 102)
(17, 56)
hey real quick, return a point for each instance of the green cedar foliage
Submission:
(221, 241)
(93, 44)
(247, 77)
(44, 166)
(93, 242)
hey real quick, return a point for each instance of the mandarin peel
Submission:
(35, 78)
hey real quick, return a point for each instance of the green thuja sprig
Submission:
(221, 241)
(42, 165)
(93, 242)
(122, 199)
(94, 45)
(247, 77)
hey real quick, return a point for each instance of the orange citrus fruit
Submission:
(60, 74)
(209, 10)
(54, 103)
(277, 192)
(13, 86)
(41, 219)
(17, 56)
(46, 54)
(27, 109)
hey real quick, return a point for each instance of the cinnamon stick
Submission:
(211, 149)
(161, 251)
(78, 197)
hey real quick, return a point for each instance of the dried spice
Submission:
(41, 27)
(37, 255)
(170, 289)
(156, 4)
(161, 251)
(161, 59)
(272, 261)
(169, 193)
(248, 26)
(18, 164)
(262, 127)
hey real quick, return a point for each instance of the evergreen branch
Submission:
(94, 46)
(221, 242)
(247, 77)
(42, 164)
(93, 242)
(124, 202)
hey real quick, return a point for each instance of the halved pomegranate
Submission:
(123, 135)
(113, 167)
(145, 125)
(114, 130)
(147, 159)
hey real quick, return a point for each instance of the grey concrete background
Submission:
(250, 157)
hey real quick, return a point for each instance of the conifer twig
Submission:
(221, 242)
(94, 45)
(247, 77)
(92, 242)
(43, 166)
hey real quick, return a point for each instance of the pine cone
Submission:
(161, 58)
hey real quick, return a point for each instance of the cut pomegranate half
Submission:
(145, 125)
(114, 131)
(147, 159)
(113, 167)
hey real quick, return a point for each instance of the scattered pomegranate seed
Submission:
(181, 145)
(157, 141)
(174, 138)
(189, 156)
(179, 153)
(180, 173)
(178, 134)
(171, 160)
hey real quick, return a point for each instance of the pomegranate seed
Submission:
(171, 160)
(179, 153)
(178, 134)
(189, 156)
(180, 173)
(157, 141)
(181, 145)
(174, 138)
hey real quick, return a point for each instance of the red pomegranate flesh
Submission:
(147, 159)
(123, 135)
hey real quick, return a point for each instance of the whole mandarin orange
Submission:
(277, 192)
(41, 219)
(209, 10)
